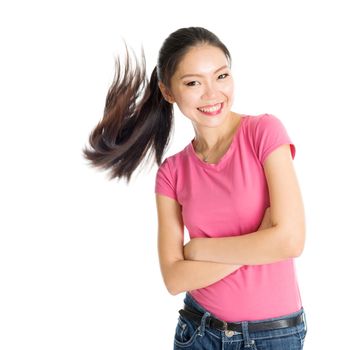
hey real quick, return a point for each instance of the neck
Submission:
(212, 140)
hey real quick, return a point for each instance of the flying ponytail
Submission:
(136, 119)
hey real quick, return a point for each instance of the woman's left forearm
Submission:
(260, 247)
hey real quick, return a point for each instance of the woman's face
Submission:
(202, 86)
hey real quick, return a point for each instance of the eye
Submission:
(192, 83)
(223, 76)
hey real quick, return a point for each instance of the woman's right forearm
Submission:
(187, 275)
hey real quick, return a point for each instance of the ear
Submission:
(166, 93)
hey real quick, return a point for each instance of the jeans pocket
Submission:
(186, 332)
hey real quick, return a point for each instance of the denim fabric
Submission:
(189, 335)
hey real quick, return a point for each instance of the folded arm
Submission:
(180, 275)
(282, 240)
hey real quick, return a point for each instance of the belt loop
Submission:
(203, 323)
(248, 343)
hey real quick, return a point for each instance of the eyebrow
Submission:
(198, 75)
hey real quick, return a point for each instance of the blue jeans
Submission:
(189, 335)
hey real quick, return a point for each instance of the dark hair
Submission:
(136, 117)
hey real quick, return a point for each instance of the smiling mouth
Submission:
(213, 109)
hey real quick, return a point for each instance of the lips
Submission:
(211, 109)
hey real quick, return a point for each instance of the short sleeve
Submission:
(270, 133)
(164, 182)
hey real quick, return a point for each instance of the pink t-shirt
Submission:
(229, 198)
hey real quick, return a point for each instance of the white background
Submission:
(78, 255)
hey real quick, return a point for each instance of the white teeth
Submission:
(211, 109)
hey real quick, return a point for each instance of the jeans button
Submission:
(229, 333)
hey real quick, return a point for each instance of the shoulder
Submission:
(261, 120)
(256, 125)
(175, 160)
(171, 164)
(168, 162)
(167, 175)
(268, 132)
(265, 123)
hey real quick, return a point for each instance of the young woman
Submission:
(233, 186)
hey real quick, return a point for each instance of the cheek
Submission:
(185, 108)
(187, 105)
(228, 90)
(187, 99)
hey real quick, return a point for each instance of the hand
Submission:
(192, 251)
(189, 250)
(266, 221)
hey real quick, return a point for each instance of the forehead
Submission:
(201, 60)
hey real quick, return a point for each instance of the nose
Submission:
(210, 92)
